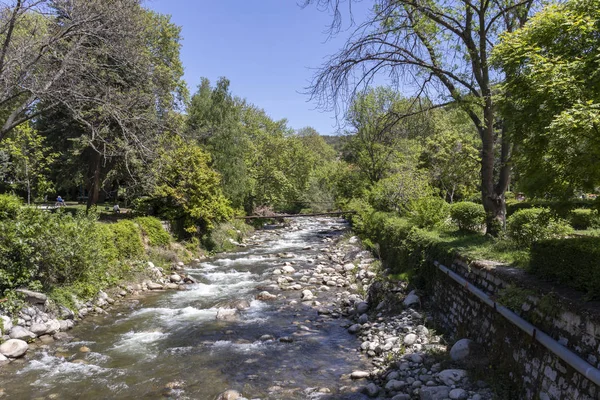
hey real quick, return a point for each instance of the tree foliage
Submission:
(409, 41)
(552, 97)
(188, 190)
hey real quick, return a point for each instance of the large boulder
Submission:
(38, 329)
(18, 332)
(33, 297)
(52, 326)
(362, 307)
(411, 299)
(13, 348)
(462, 350)
(154, 286)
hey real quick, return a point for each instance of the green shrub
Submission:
(127, 240)
(582, 218)
(428, 212)
(559, 207)
(52, 248)
(467, 216)
(153, 230)
(531, 225)
(9, 206)
(574, 262)
(221, 238)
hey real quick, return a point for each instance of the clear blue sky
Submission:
(266, 48)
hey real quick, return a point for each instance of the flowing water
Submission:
(171, 345)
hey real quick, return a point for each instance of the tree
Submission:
(411, 41)
(214, 120)
(188, 190)
(375, 141)
(552, 97)
(450, 155)
(64, 52)
(29, 161)
(109, 142)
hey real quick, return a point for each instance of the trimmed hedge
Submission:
(560, 207)
(582, 218)
(531, 225)
(573, 262)
(404, 247)
(468, 216)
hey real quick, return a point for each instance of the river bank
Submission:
(288, 317)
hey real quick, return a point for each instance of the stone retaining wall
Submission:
(534, 372)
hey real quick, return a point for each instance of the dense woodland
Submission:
(488, 101)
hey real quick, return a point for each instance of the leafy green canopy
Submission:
(552, 97)
(188, 190)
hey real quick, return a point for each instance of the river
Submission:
(171, 344)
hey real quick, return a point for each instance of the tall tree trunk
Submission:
(492, 194)
(95, 167)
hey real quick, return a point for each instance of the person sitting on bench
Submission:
(60, 202)
(117, 209)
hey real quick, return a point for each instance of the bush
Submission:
(224, 235)
(53, 248)
(572, 262)
(428, 212)
(153, 229)
(467, 216)
(9, 206)
(531, 225)
(127, 240)
(582, 218)
(559, 207)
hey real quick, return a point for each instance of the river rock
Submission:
(18, 332)
(354, 328)
(411, 299)
(230, 395)
(3, 360)
(226, 314)
(38, 329)
(362, 307)
(451, 377)
(66, 313)
(371, 390)
(52, 326)
(239, 304)
(13, 348)
(288, 269)
(154, 286)
(434, 392)
(175, 278)
(33, 297)
(363, 319)
(265, 296)
(410, 339)
(395, 385)
(458, 394)
(461, 350)
(359, 375)
(307, 295)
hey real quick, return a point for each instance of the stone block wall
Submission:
(534, 371)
